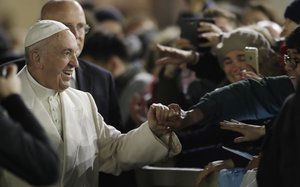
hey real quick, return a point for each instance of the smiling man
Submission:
(84, 142)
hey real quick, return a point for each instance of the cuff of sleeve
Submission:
(174, 146)
(196, 57)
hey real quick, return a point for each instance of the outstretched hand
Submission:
(249, 132)
(171, 55)
(211, 32)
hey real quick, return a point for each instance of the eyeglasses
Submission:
(80, 27)
(288, 61)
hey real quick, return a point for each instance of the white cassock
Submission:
(87, 144)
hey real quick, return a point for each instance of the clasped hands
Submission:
(164, 119)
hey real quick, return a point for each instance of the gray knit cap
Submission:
(239, 38)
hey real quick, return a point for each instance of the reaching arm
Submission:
(176, 56)
(244, 100)
(249, 132)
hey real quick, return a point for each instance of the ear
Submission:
(35, 59)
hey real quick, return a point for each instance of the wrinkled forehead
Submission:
(66, 39)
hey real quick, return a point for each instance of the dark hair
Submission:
(109, 13)
(292, 11)
(293, 40)
(102, 46)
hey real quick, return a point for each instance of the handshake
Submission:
(164, 119)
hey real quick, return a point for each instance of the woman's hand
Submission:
(249, 132)
(214, 167)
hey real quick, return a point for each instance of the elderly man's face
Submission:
(72, 15)
(59, 61)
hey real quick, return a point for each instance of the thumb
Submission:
(151, 114)
(239, 139)
(11, 70)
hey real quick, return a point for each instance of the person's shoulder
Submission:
(80, 98)
(92, 68)
(75, 93)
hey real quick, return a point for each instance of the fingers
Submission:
(239, 139)
(164, 114)
(11, 70)
(205, 27)
(160, 119)
(202, 176)
(208, 27)
(175, 107)
(227, 125)
(162, 61)
(212, 39)
(164, 50)
(232, 125)
(209, 169)
(235, 121)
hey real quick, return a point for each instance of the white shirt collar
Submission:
(41, 91)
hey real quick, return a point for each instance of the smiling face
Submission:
(52, 64)
(234, 63)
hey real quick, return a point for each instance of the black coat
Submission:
(280, 161)
(24, 148)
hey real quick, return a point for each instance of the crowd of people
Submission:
(97, 95)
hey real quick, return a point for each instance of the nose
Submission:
(74, 61)
(76, 33)
(237, 66)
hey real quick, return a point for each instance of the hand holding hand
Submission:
(160, 117)
(249, 132)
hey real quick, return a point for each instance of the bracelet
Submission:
(195, 57)
(221, 37)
